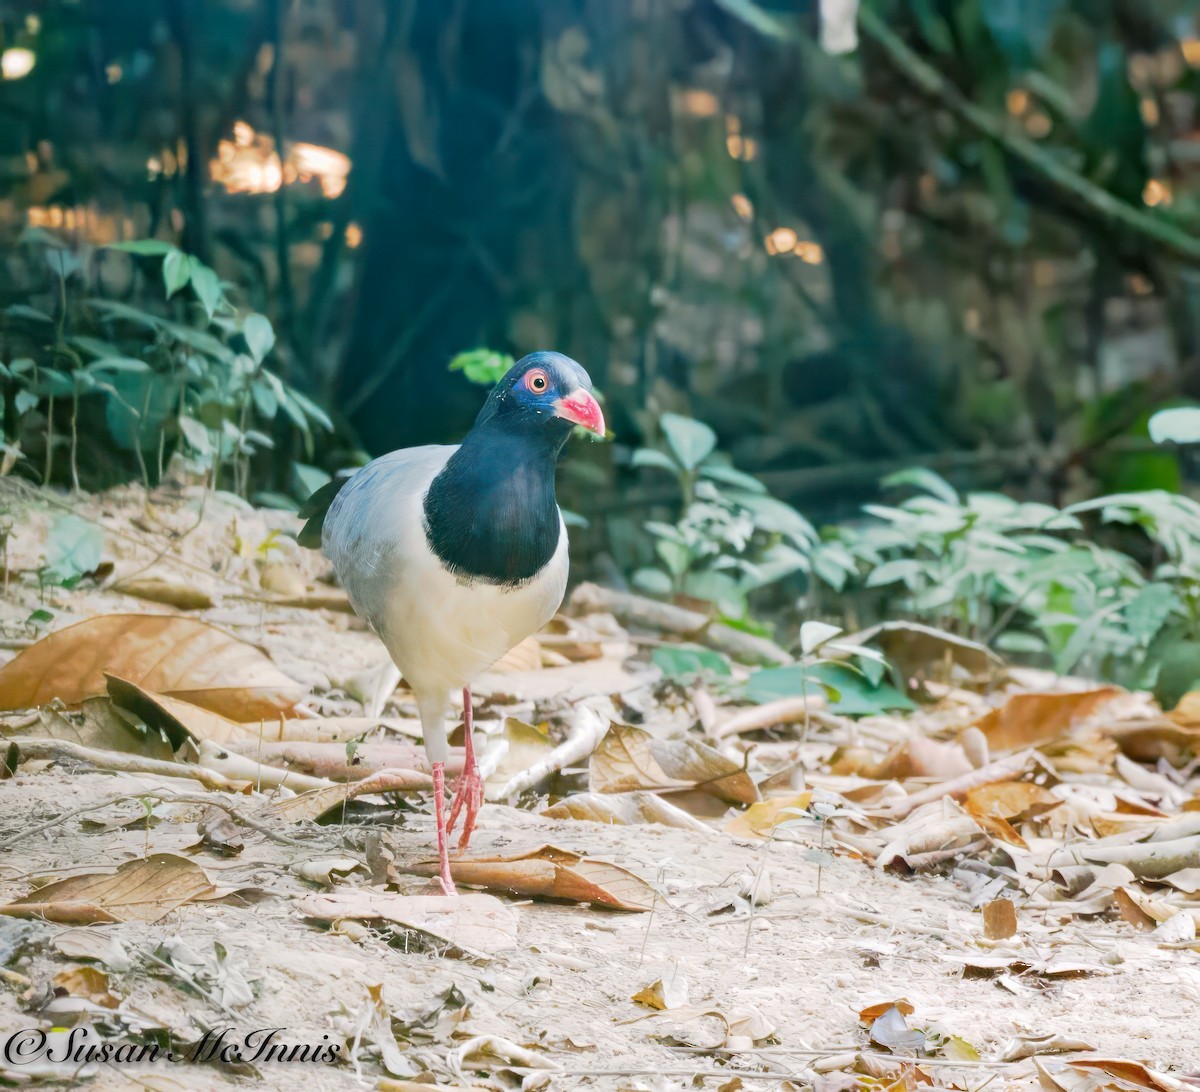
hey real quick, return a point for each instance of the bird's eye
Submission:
(537, 382)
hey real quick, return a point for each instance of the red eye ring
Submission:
(537, 381)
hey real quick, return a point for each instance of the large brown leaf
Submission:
(141, 890)
(629, 759)
(552, 873)
(1027, 720)
(94, 724)
(181, 720)
(166, 654)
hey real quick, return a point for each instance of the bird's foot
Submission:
(439, 808)
(468, 798)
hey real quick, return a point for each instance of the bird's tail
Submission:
(316, 508)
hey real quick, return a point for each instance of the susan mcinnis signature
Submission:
(84, 1045)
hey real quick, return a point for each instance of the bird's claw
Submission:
(468, 795)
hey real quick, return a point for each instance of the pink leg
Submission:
(470, 785)
(439, 807)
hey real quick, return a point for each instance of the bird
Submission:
(455, 554)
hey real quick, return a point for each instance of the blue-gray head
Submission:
(543, 389)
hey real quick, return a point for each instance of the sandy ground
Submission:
(800, 966)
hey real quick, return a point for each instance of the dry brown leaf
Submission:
(977, 966)
(624, 809)
(166, 654)
(220, 832)
(761, 818)
(552, 873)
(1187, 710)
(316, 802)
(919, 651)
(1026, 720)
(873, 1012)
(1147, 739)
(90, 983)
(670, 992)
(999, 828)
(94, 724)
(999, 919)
(167, 592)
(143, 890)
(1129, 1072)
(1010, 800)
(180, 720)
(629, 759)
(1026, 1046)
(473, 923)
(1154, 910)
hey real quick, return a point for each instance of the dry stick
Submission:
(666, 618)
(783, 711)
(226, 763)
(585, 735)
(124, 763)
(1003, 769)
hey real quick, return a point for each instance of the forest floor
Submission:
(838, 948)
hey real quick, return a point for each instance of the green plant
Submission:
(73, 549)
(850, 675)
(484, 366)
(1027, 579)
(192, 378)
(731, 537)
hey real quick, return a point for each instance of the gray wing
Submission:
(375, 519)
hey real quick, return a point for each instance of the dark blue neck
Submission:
(490, 514)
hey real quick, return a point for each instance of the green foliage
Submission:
(731, 538)
(685, 663)
(196, 381)
(73, 549)
(850, 692)
(483, 366)
(1029, 579)
(851, 675)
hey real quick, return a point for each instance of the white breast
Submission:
(441, 630)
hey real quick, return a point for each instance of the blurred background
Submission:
(851, 239)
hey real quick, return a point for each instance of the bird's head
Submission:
(544, 390)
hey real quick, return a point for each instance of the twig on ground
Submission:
(118, 762)
(630, 609)
(585, 735)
